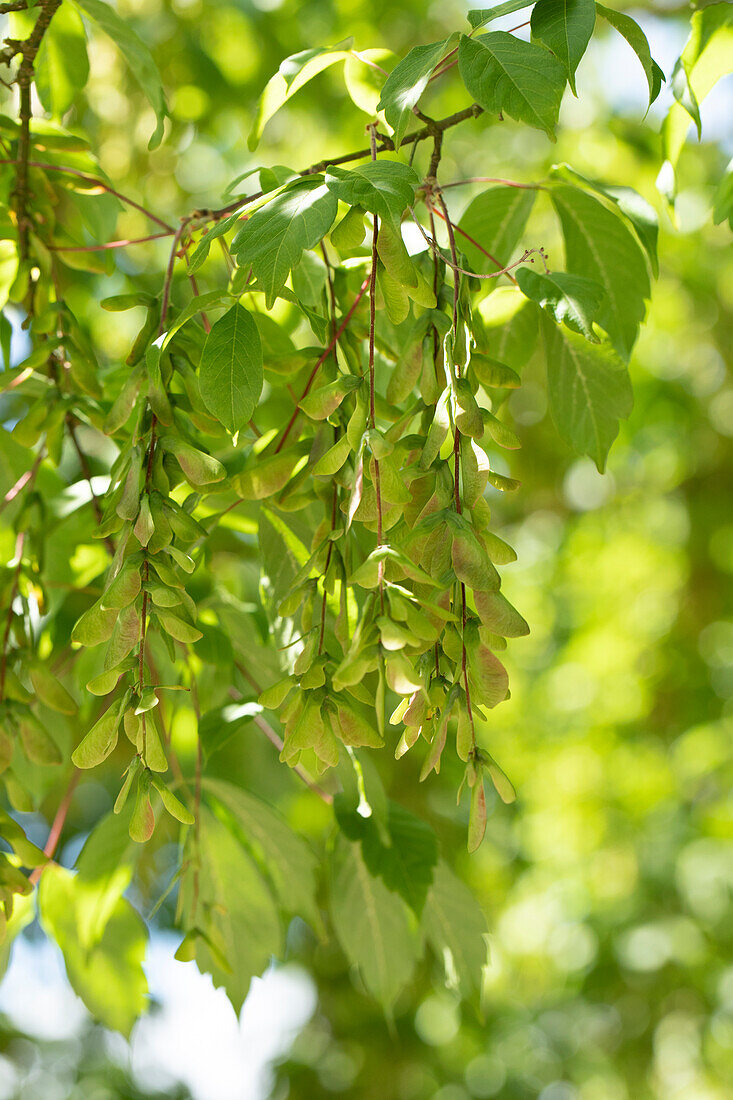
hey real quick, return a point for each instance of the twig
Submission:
(59, 821)
(441, 125)
(24, 80)
(494, 179)
(278, 742)
(264, 726)
(98, 183)
(21, 483)
(464, 270)
(110, 244)
(475, 243)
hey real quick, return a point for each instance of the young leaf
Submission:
(406, 83)
(273, 239)
(384, 187)
(639, 43)
(504, 74)
(565, 27)
(294, 72)
(570, 299)
(479, 17)
(589, 391)
(599, 246)
(230, 375)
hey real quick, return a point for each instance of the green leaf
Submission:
(521, 79)
(406, 865)
(371, 924)
(455, 928)
(599, 246)
(704, 60)
(273, 239)
(589, 390)
(384, 187)
(406, 83)
(136, 54)
(105, 865)
(108, 976)
(287, 861)
(294, 72)
(62, 65)
(231, 375)
(639, 212)
(479, 17)
(639, 43)
(565, 27)
(235, 908)
(309, 279)
(495, 219)
(571, 299)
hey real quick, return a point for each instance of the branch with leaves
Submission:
(290, 481)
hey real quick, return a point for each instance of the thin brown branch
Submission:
(441, 125)
(264, 726)
(475, 243)
(59, 821)
(21, 483)
(24, 79)
(494, 179)
(110, 244)
(94, 181)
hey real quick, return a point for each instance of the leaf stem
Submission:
(59, 821)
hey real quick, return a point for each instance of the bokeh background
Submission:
(608, 885)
